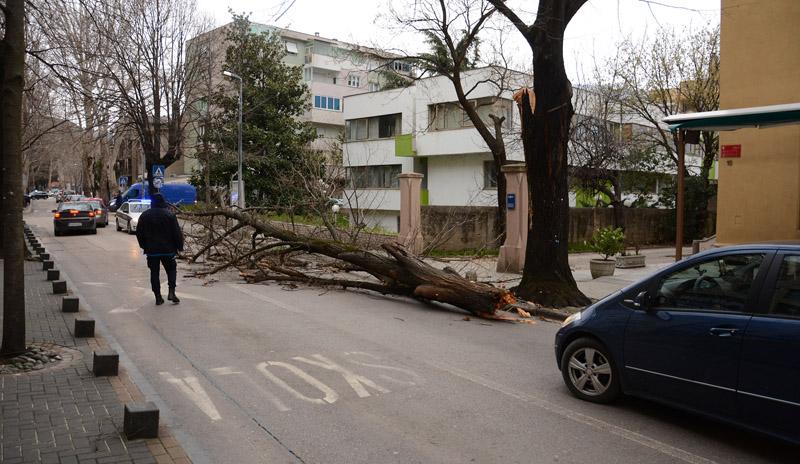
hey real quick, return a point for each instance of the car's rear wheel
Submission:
(93, 231)
(56, 232)
(589, 371)
(129, 229)
(119, 229)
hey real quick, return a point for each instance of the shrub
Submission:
(607, 242)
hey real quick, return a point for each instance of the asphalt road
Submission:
(258, 373)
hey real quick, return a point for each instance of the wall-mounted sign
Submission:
(730, 151)
(511, 200)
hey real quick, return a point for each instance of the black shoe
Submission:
(173, 297)
(159, 300)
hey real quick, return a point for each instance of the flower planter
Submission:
(601, 267)
(625, 262)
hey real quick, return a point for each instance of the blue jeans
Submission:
(154, 263)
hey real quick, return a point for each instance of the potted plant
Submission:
(607, 241)
(625, 260)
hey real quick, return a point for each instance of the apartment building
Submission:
(423, 129)
(332, 69)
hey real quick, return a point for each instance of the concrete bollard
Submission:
(47, 265)
(84, 328)
(69, 304)
(59, 287)
(140, 420)
(105, 363)
(44, 256)
(53, 274)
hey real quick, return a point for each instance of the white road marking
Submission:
(247, 291)
(191, 387)
(225, 370)
(418, 380)
(122, 309)
(97, 284)
(330, 395)
(355, 380)
(635, 437)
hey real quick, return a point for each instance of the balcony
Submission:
(450, 142)
(324, 62)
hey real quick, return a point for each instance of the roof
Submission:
(725, 120)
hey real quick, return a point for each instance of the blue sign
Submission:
(511, 200)
(123, 180)
(158, 170)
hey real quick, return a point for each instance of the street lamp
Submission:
(240, 182)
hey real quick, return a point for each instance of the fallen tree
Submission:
(394, 272)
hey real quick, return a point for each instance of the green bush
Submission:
(607, 242)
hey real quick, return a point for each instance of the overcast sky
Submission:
(593, 32)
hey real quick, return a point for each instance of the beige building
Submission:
(759, 191)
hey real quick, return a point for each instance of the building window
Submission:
(450, 115)
(382, 176)
(376, 127)
(374, 87)
(353, 80)
(489, 174)
(308, 74)
(401, 66)
(291, 48)
(327, 103)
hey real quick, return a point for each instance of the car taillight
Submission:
(91, 214)
(98, 212)
(73, 212)
(57, 215)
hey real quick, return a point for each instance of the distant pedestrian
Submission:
(118, 200)
(161, 238)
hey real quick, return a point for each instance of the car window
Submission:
(139, 207)
(722, 283)
(96, 204)
(124, 208)
(786, 297)
(77, 206)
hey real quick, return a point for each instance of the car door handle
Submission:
(722, 331)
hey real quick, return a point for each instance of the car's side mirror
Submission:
(641, 301)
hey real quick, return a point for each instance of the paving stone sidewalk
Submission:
(63, 414)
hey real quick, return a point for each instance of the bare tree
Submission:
(669, 73)
(12, 83)
(145, 64)
(452, 29)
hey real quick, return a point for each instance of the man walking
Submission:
(161, 238)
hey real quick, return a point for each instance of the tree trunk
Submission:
(12, 49)
(547, 278)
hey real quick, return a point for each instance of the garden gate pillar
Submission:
(410, 212)
(512, 253)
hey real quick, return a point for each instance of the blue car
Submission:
(717, 334)
(176, 194)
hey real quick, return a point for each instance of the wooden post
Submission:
(410, 234)
(679, 203)
(512, 253)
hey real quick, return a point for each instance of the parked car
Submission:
(38, 195)
(175, 194)
(717, 334)
(73, 217)
(128, 214)
(100, 211)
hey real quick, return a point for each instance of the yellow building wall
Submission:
(759, 193)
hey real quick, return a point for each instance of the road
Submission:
(258, 373)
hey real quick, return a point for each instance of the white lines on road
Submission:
(635, 437)
(247, 291)
(225, 370)
(330, 395)
(357, 382)
(191, 387)
(122, 309)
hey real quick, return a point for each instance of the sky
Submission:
(593, 33)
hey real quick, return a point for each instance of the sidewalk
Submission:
(62, 413)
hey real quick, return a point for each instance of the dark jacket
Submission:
(158, 231)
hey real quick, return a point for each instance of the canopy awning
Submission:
(725, 120)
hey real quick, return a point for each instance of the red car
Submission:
(100, 211)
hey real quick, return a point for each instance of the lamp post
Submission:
(240, 182)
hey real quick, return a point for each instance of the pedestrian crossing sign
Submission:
(158, 170)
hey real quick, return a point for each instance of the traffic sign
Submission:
(123, 181)
(158, 170)
(158, 182)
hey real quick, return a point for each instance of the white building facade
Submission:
(423, 129)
